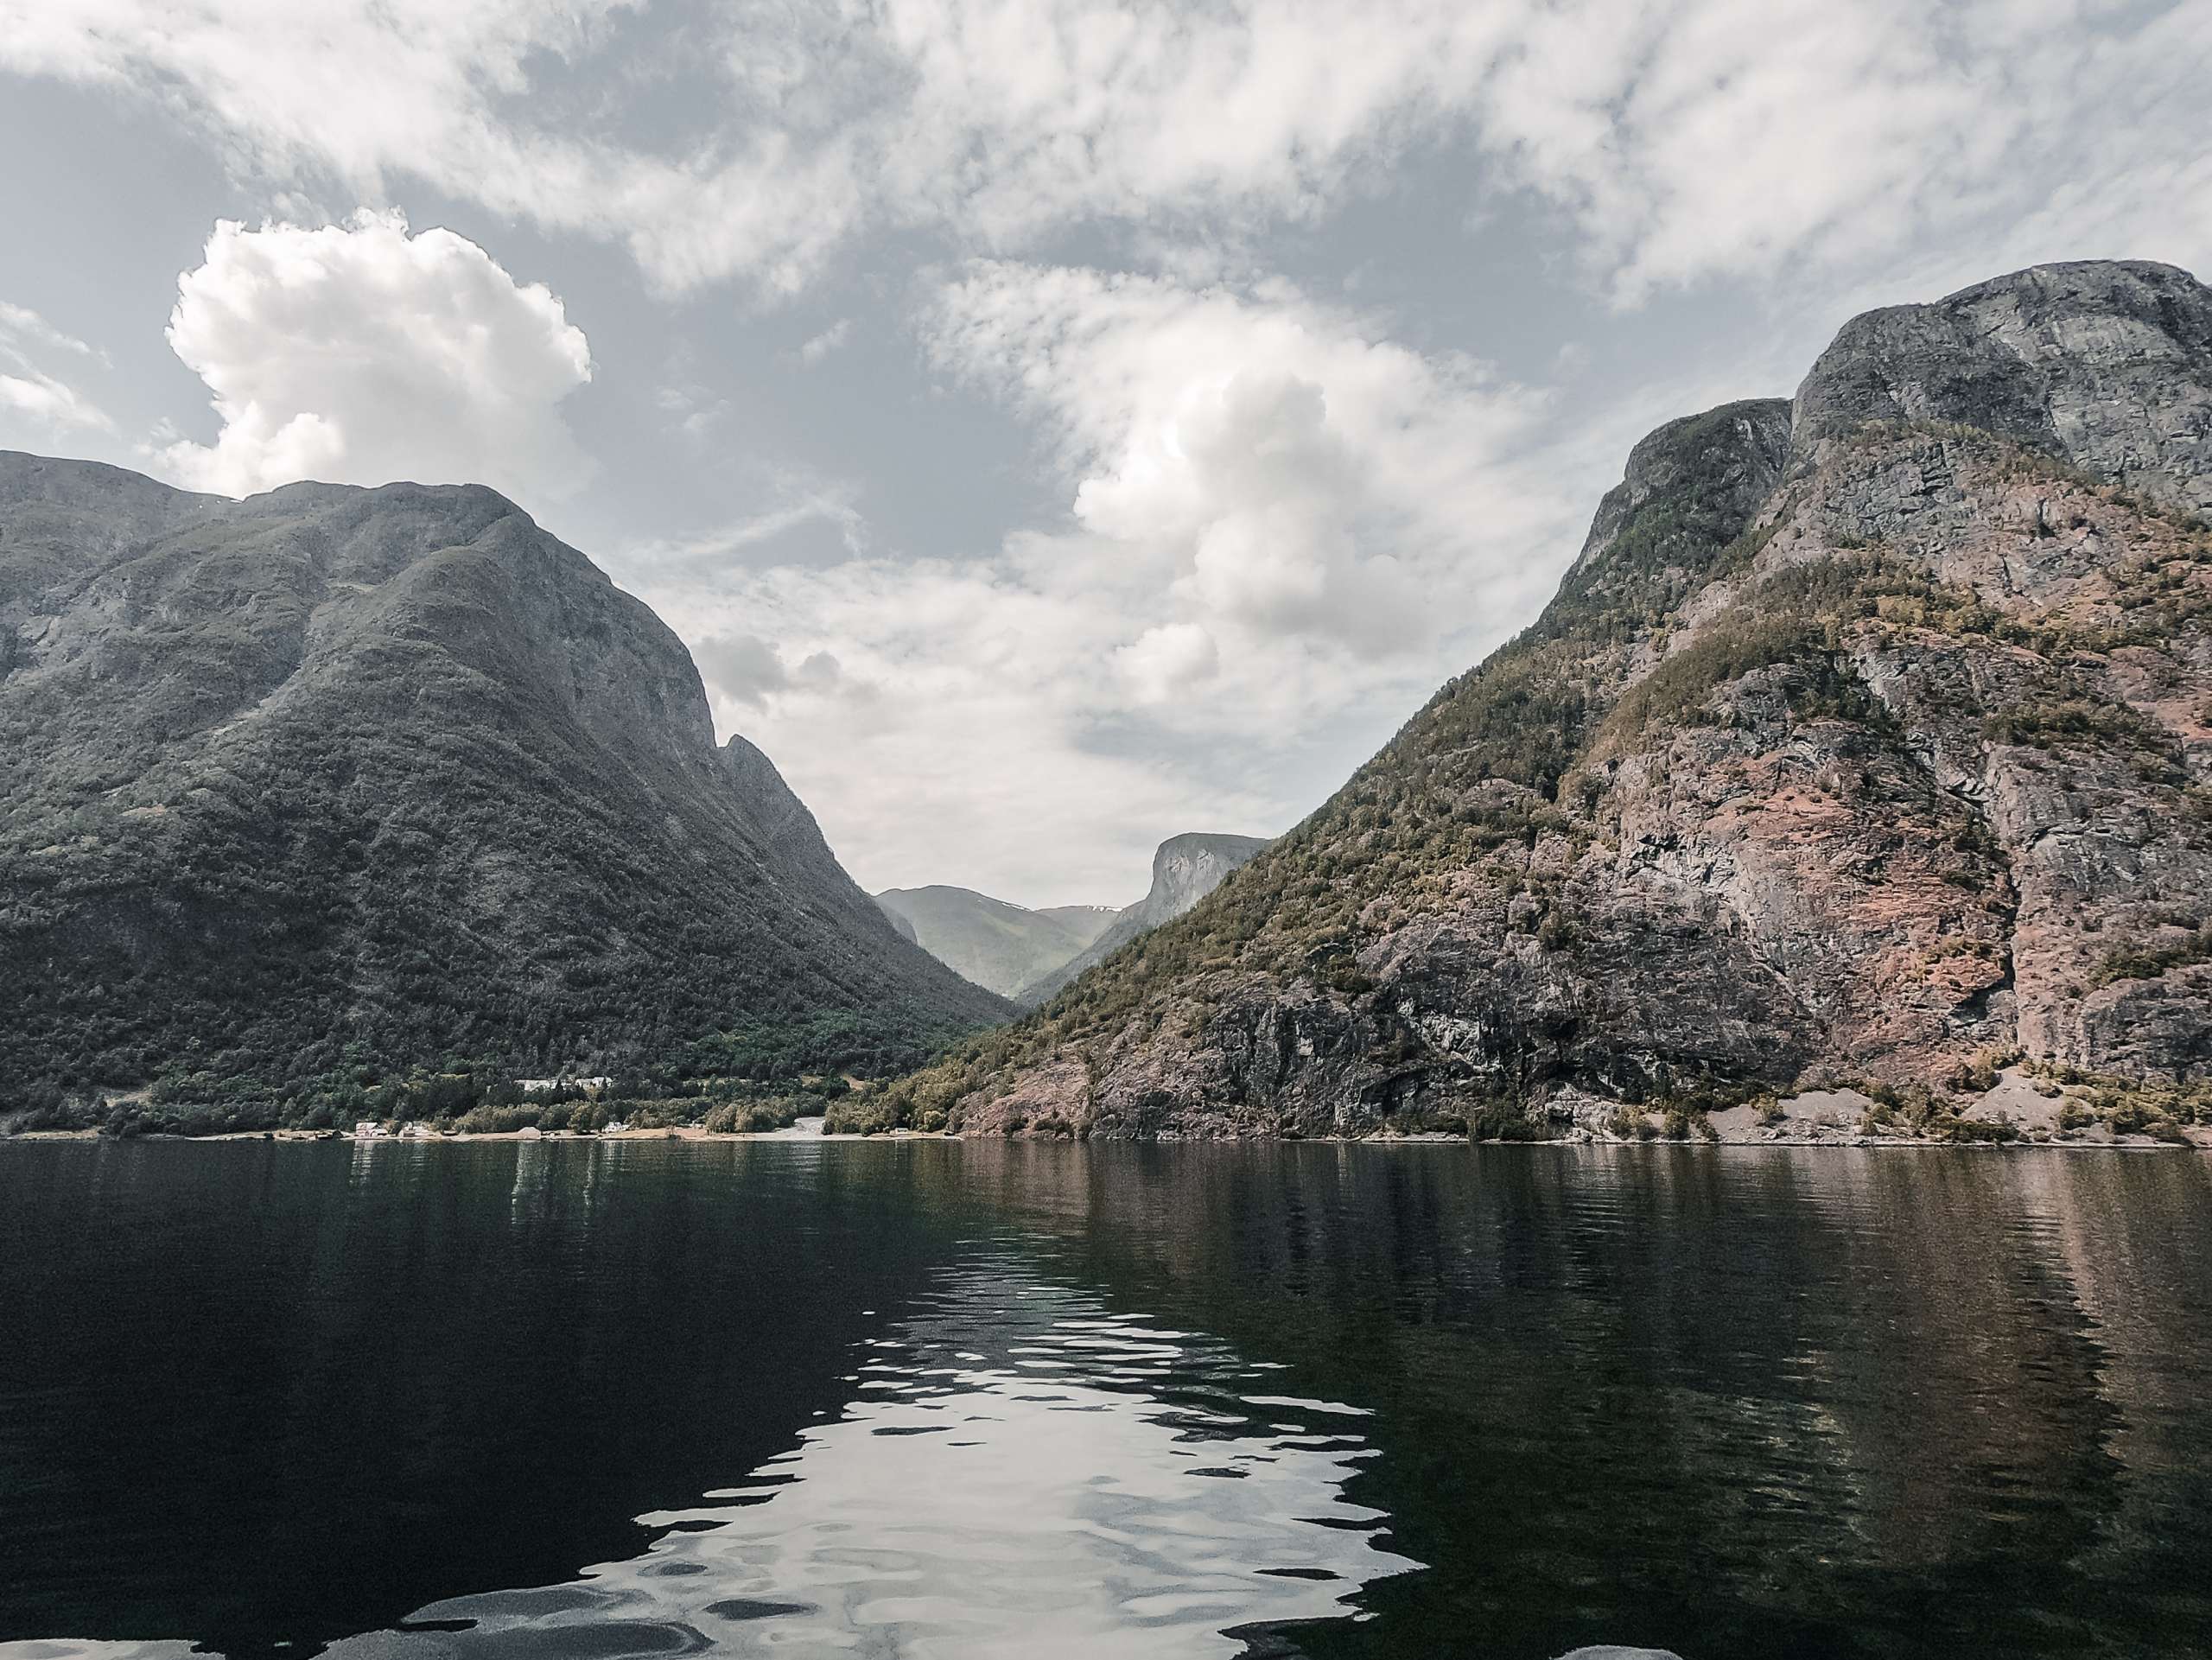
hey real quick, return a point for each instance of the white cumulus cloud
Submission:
(1283, 530)
(364, 352)
(1271, 470)
(1168, 660)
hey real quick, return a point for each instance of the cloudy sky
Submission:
(1053, 424)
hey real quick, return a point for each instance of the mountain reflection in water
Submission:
(1021, 1473)
(929, 1398)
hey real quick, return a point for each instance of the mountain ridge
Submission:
(994, 943)
(336, 781)
(1856, 722)
(1186, 867)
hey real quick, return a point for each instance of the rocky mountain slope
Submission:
(1185, 870)
(997, 945)
(306, 788)
(1867, 743)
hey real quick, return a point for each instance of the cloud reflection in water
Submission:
(1020, 1472)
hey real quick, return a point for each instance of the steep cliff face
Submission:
(1694, 483)
(335, 779)
(1185, 870)
(2107, 363)
(1869, 742)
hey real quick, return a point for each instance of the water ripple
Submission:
(1021, 1471)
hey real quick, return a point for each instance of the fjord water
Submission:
(939, 1399)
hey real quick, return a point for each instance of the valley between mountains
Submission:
(1856, 784)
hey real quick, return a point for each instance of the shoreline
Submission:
(2019, 1105)
(1846, 1142)
(2017, 1110)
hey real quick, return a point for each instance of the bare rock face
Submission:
(1185, 870)
(2106, 363)
(1868, 743)
(334, 782)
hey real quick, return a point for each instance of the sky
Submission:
(1053, 425)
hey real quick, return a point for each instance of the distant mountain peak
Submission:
(1185, 870)
(993, 942)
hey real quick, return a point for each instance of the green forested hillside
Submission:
(308, 791)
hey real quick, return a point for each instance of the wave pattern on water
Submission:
(1021, 1472)
(1736, 1403)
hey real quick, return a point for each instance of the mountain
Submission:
(997, 945)
(1089, 920)
(1185, 870)
(1867, 743)
(1029, 955)
(307, 788)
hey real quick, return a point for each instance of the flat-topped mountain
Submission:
(1868, 742)
(997, 945)
(1185, 870)
(301, 789)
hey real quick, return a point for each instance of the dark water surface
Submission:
(490, 1401)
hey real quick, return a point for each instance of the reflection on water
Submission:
(1801, 1401)
(933, 1399)
(1022, 1473)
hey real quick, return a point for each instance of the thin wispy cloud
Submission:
(30, 393)
(1684, 139)
(818, 346)
(806, 504)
